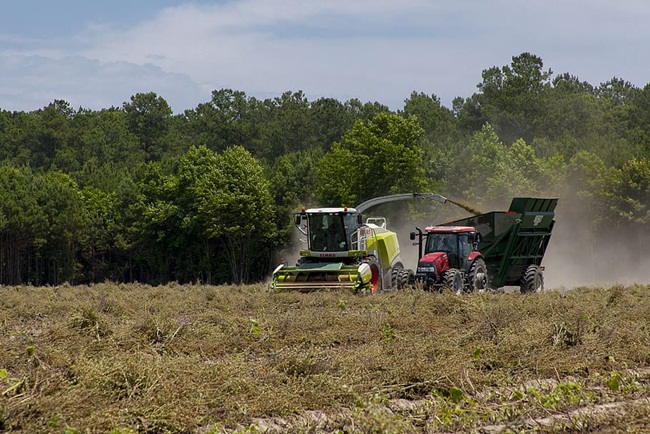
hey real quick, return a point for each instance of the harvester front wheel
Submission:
(532, 279)
(477, 276)
(453, 280)
(374, 286)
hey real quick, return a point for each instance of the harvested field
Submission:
(195, 358)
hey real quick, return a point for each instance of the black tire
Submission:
(394, 277)
(532, 279)
(453, 280)
(477, 278)
(405, 278)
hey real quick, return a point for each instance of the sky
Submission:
(97, 54)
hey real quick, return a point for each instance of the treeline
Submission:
(137, 193)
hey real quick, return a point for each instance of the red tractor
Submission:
(449, 257)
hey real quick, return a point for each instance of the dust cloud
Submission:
(290, 255)
(577, 255)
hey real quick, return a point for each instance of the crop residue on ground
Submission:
(211, 359)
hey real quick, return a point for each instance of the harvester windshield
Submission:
(330, 232)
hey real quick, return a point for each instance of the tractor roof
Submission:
(448, 229)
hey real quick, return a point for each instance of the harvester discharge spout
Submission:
(395, 197)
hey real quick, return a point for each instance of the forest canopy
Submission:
(137, 193)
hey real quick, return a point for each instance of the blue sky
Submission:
(97, 54)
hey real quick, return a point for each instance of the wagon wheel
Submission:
(532, 279)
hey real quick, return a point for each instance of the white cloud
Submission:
(260, 48)
(32, 82)
(367, 49)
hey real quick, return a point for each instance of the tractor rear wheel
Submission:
(477, 276)
(453, 280)
(532, 279)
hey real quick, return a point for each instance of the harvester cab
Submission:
(332, 231)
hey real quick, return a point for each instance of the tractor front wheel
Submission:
(453, 280)
(532, 279)
(404, 278)
(394, 277)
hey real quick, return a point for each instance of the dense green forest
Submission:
(138, 193)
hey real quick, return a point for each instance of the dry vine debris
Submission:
(198, 358)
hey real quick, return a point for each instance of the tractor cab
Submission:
(444, 248)
(456, 241)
